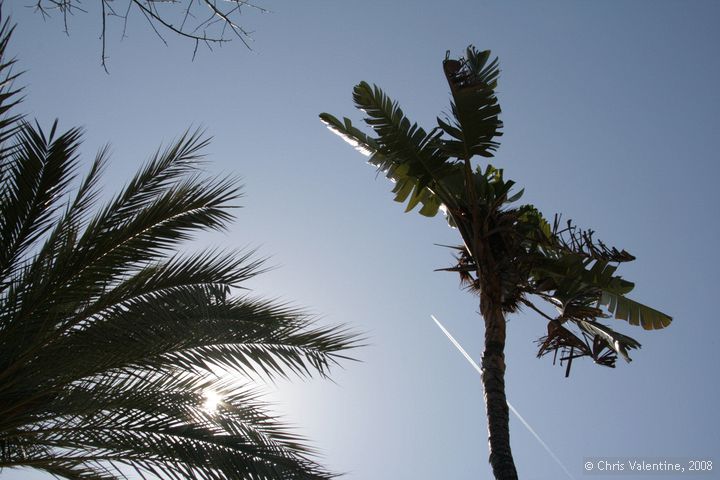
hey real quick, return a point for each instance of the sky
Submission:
(610, 112)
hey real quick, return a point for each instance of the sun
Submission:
(212, 401)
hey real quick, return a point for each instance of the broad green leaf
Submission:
(402, 150)
(515, 197)
(475, 108)
(634, 312)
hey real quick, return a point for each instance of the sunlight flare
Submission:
(212, 401)
(354, 143)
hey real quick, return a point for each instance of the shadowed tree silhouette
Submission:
(119, 353)
(202, 22)
(510, 255)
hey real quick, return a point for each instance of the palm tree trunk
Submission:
(493, 379)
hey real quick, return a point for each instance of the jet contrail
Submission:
(517, 414)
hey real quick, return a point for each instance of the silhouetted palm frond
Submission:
(111, 340)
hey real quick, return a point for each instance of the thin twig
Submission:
(103, 39)
(183, 18)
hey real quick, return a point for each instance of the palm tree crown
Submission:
(111, 339)
(511, 256)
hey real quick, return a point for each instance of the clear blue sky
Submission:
(611, 117)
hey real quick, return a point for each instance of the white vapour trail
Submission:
(512, 409)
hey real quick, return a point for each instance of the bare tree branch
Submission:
(210, 22)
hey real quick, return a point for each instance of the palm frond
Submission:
(408, 155)
(193, 330)
(36, 178)
(158, 421)
(634, 312)
(9, 99)
(475, 110)
(584, 281)
(110, 338)
(575, 240)
(402, 142)
(362, 142)
(113, 338)
(591, 339)
(578, 283)
(71, 468)
(76, 266)
(617, 341)
(393, 168)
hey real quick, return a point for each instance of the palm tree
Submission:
(511, 256)
(113, 343)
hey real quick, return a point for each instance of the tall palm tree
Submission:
(113, 343)
(511, 256)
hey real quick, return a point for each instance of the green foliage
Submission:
(475, 118)
(406, 153)
(110, 339)
(503, 244)
(633, 312)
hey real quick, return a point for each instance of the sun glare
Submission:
(351, 141)
(212, 401)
